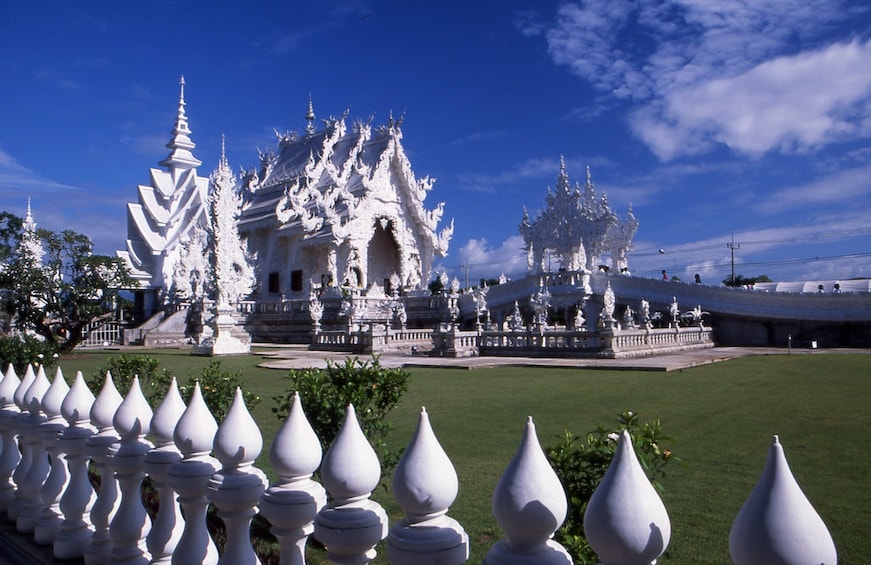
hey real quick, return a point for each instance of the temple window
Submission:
(274, 283)
(296, 280)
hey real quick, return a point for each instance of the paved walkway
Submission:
(299, 357)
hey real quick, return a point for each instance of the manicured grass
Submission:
(721, 417)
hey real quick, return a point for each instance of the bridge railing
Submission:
(51, 432)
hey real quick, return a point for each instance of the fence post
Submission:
(777, 523)
(237, 487)
(425, 485)
(55, 484)
(31, 483)
(194, 434)
(625, 520)
(351, 525)
(292, 503)
(167, 527)
(99, 449)
(9, 454)
(529, 504)
(75, 532)
(131, 523)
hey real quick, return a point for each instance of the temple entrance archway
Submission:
(383, 254)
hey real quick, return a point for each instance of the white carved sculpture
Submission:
(625, 520)
(75, 530)
(529, 505)
(425, 484)
(9, 454)
(540, 302)
(777, 524)
(609, 303)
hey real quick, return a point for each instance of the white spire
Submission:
(180, 156)
(310, 116)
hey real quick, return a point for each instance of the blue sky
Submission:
(710, 118)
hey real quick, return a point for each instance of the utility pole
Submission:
(732, 247)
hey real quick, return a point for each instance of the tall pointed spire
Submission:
(180, 156)
(310, 116)
(223, 163)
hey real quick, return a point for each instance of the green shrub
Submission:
(326, 393)
(219, 389)
(153, 380)
(24, 350)
(580, 464)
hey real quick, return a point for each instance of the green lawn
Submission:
(721, 417)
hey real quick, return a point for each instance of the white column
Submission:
(529, 504)
(425, 485)
(75, 529)
(16, 426)
(9, 454)
(31, 484)
(777, 524)
(236, 489)
(194, 434)
(58, 476)
(625, 520)
(131, 523)
(351, 525)
(292, 503)
(167, 527)
(99, 449)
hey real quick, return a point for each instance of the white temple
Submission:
(577, 228)
(326, 208)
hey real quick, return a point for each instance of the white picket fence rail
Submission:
(50, 431)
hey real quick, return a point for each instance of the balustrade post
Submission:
(49, 520)
(237, 487)
(625, 520)
(9, 453)
(425, 485)
(75, 530)
(31, 484)
(529, 504)
(131, 523)
(167, 527)
(292, 503)
(777, 523)
(16, 425)
(99, 447)
(351, 525)
(194, 435)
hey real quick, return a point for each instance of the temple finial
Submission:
(181, 88)
(310, 116)
(224, 162)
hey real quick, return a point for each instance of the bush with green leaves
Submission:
(219, 389)
(326, 393)
(580, 464)
(153, 380)
(24, 350)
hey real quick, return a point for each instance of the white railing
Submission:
(51, 431)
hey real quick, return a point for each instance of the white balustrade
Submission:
(425, 484)
(626, 522)
(55, 484)
(9, 454)
(168, 523)
(194, 435)
(75, 530)
(31, 484)
(351, 524)
(237, 487)
(99, 447)
(777, 525)
(292, 503)
(131, 523)
(529, 505)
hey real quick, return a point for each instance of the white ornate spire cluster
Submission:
(577, 227)
(168, 211)
(30, 243)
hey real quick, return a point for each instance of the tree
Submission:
(741, 280)
(54, 286)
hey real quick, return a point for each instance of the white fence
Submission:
(51, 431)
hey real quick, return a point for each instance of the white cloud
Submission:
(487, 261)
(842, 189)
(19, 181)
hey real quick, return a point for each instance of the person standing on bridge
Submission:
(664, 275)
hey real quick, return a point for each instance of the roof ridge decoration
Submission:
(180, 156)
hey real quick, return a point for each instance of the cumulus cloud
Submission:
(754, 76)
(488, 261)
